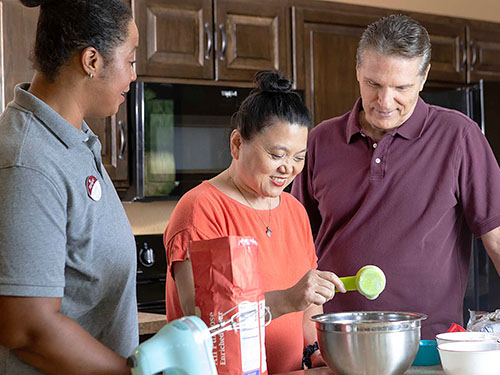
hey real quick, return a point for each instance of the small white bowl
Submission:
(470, 358)
(466, 336)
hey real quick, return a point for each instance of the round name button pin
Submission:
(93, 188)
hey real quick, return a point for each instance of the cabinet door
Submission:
(449, 53)
(325, 59)
(175, 38)
(18, 37)
(484, 52)
(250, 36)
(113, 135)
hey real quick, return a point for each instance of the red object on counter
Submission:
(456, 328)
(227, 277)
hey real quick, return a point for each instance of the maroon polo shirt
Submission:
(407, 204)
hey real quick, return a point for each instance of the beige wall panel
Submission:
(150, 217)
(486, 10)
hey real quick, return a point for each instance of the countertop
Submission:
(151, 323)
(414, 370)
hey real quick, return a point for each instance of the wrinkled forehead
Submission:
(377, 59)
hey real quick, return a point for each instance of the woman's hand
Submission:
(314, 288)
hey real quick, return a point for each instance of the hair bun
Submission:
(272, 81)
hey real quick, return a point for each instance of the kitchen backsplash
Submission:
(149, 217)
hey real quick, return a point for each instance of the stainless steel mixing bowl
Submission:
(369, 342)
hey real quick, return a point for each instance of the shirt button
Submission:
(375, 145)
(377, 160)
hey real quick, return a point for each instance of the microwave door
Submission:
(181, 136)
(137, 116)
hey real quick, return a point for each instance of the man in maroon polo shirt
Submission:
(401, 184)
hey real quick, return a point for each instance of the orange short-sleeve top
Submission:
(206, 213)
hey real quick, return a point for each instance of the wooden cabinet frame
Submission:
(227, 40)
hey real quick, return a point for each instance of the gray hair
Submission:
(396, 35)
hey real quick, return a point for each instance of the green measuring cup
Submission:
(369, 281)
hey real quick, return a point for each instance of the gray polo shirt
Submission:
(58, 236)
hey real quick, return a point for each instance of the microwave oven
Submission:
(179, 136)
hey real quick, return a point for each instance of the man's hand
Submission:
(491, 242)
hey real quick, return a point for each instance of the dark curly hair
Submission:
(66, 27)
(272, 100)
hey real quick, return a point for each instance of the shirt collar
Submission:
(61, 128)
(353, 125)
(411, 128)
(414, 126)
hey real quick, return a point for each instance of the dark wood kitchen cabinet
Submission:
(175, 38)
(325, 43)
(326, 36)
(228, 40)
(483, 51)
(463, 51)
(113, 135)
(18, 36)
(449, 48)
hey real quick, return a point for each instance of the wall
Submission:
(486, 10)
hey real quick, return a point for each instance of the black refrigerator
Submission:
(481, 102)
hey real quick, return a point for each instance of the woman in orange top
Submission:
(268, 148)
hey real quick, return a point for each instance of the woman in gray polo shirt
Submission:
(67, 253)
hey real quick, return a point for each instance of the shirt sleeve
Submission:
(32, 234)
(177, 246)
(479, 182)
(193, 219)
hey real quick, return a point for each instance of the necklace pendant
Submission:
(268, 232)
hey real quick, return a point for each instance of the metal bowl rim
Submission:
(320, 318)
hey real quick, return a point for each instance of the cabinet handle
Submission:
(224, 42)
(474, 55)
(464, 55)
(209, 41)
(123, 139)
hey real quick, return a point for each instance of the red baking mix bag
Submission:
(227, 286)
